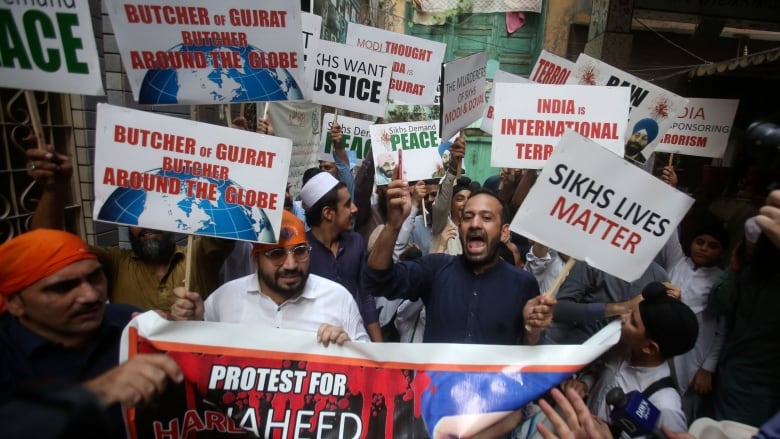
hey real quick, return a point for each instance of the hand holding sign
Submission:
(399, 204)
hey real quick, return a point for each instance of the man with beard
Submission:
(645, 131)
(60, 341)
(144, 276)
(385, 169)
(472, 298)
(282, 294)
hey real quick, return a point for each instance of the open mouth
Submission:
(475, 243)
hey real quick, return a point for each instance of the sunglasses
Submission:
(277, 256)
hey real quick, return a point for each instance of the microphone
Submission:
(632, 414)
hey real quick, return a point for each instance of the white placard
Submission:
(174, 174)
(413, 144)
(530, 118)
(311, 25)
(499, 77)
(551, 69)
(416, 61)
(356, 138)
(653, 109)
(463, 93)
(206, 52)
(49, 47)
(598, 208)
(702, 130)
(351, 78)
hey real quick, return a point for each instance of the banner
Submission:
(356, 138)
(283, 384)
(206, 52)
(351, 78)
(551, 69)
(311, 26)
(463, 93)
(174, 174)
(653, 109)
(702, 129)
(299, 122)
(499, 77)
(416, 144)
(50, 47)
(596, 207)
(530, 118)
(416, 61)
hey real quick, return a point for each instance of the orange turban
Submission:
(34, 255)
(292, 232)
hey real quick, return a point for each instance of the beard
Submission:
(633, 148)
(489, 254)
(283, 289)
(153, 250)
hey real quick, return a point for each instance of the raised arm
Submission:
(53, 172)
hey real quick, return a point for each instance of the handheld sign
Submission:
(530, 118)
(311, 26)
(598, 208)
(207, 52)
(653, 109)
(702, 129)
(356, 137)
(419, 143)
(50, 47)
(463, 93)
(416, 61)
(499, 77)
(183, 176)
(350, 78)
(551, 69)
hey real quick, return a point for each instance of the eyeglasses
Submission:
(277, 256)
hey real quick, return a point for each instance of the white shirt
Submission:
(545, 269)
(618, 373)
(321, 301)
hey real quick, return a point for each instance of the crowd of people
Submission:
(395, 261)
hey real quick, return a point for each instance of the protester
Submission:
(658, 328)
(337, 252)
(282, 294)
(339, 168)
(145, 275)
(446, 211)
(472, 298)
(56, 327)
(747, 385)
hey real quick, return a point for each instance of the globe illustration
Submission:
(217, 84)
(191, 215)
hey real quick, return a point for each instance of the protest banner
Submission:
(551, 69)
(416, 61)
(351, 78)
(311, 25)
(653, 109)
(420, 144)
(596, 207)
(206, 52)
(299, 122)
(356, 138)
(179, 175)
(530, 118)
(283, 384)
(702, 129)
(49, 47)
(463, 93)
(499, 77)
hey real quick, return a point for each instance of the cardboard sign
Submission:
(596, 207)
(49, 47)
(174, 174)
(416, 61)
(356, 138)
(351, 78)
(702, 129)
(551, 69)
(499, 77)
(653, 109)
(463, 93)
(311, 27)
(417, 142)
(530, 118)
(282, 383)
(206, 52)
